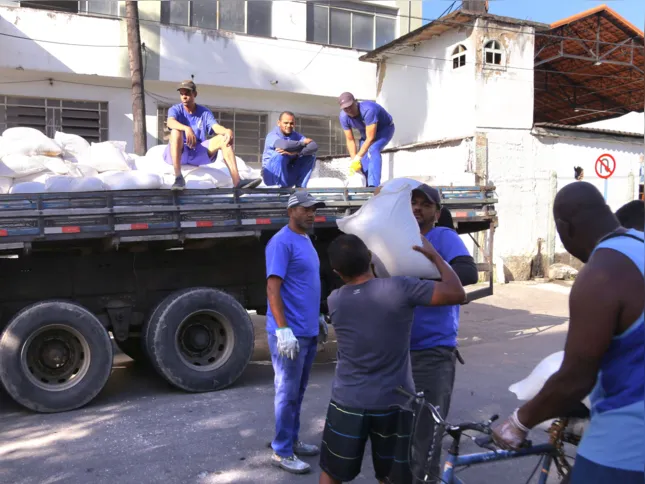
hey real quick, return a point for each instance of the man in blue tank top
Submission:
(604, 355)
(376, 127)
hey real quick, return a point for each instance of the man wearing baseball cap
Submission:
(433, 340)
(190, 125)
(292, 324)
(376, 127)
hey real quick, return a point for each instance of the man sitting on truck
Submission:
(289, 157)
(434, 331)
(190, 125)
(376, 127)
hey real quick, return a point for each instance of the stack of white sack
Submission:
(356, 180)
(388, 227)
(30, 162)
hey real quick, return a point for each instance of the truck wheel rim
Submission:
(55, 357)
(205, 340)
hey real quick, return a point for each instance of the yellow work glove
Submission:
(355, 166)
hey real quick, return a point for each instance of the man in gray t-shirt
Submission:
(372, 319)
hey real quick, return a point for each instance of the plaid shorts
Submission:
(346, 433)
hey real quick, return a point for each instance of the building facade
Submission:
(66, 66)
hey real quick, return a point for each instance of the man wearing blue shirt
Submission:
(292, 324)
(433, 342)
(190, 126)
(376, 128)
(288, 157)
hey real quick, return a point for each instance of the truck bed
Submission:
(32, 221)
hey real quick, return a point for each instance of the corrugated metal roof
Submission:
(584, 129)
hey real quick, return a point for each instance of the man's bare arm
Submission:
(594, 306)
(448, 290)
(370, 135)
(351, 143)
(172, 123)
(274, 283)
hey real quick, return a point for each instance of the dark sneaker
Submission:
(290, 464)
(300, 448)
(249, 183)
(179, 184)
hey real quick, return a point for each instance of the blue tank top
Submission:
(615, 436)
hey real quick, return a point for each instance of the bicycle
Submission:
(561, 431)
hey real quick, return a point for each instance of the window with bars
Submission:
(326, 132)
(92, 7)
(246, 17)
(349, 24)
(249, 129)
(84, 118)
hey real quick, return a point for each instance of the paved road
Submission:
(140, 430)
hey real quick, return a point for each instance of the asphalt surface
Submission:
(141, 430)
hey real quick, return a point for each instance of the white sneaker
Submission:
(290, 464)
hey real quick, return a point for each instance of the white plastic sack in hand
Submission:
(527, 388)
(387, 226)
(28, 141)
(395, 184)
(28, 187)
(357, 180)
(132, 180)
(205, 173)
(68, 184)
(72, 144)
(17, 166)
(105, 157)
(5, 185)
(325, 182)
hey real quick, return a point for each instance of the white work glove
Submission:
(511, 434)
(287, 343)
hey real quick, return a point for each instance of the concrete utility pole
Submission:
(136, 73)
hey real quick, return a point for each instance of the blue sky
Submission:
(547, 11)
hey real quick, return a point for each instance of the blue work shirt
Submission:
(370, 113)
(277, 134)
(293, 258)
(201, 121)
(438, 325)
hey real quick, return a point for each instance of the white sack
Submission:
(152, 164)
(68, 184)
(387, 226)
(17, 166)
(73, 145)
(57, 165)
(84, 170)
(41, 177)
(28, 187)
(204, 173)
(105, 157)
(5, 184)
(357, 180)
(132, 180)
(203, 184)
(396, 184)
(156, 152)
(325, 182)
(28, 141)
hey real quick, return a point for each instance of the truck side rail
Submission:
(131, 215)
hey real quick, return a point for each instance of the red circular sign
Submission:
(605, 166)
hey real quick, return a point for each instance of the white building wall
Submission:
(428, 99)
(504, 94)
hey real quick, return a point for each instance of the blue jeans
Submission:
(291, 378)
(287, 171)
(587, 472)
(372, 161)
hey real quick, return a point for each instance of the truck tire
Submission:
(54, 356)
(199, 339)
